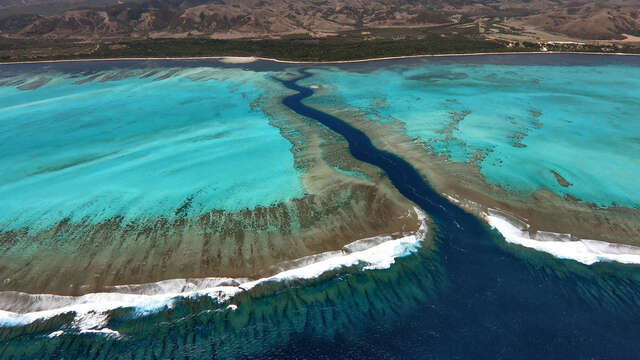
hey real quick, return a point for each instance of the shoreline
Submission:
(250, 59)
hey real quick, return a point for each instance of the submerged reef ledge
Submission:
(90, 310)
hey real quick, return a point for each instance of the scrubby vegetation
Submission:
(304, 49)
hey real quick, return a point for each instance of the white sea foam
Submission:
(561, 245)
(55, 334)
(91, 309)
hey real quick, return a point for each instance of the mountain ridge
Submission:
(225, 19)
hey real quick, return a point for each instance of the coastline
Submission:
(250, 59)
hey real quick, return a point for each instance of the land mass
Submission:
(310, 30)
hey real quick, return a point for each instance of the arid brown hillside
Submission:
(114, 19)
(222, 19)
(590, 20)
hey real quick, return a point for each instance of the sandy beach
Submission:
(249, 59)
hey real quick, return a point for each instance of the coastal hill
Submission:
(83, 26)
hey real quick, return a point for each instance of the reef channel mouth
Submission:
(449, 218)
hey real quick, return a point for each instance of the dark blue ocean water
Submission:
(471, 296)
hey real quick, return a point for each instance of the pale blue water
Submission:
(523, 121)
(140, 148)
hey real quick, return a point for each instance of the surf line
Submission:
(451, 221)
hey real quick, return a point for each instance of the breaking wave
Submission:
(91, 310)
(563, 246)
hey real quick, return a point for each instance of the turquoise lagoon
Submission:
(138, 143)
(519, 123)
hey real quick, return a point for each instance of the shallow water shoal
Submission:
(138, 148)
(567, 129)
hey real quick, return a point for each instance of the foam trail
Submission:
(560, 245)
(91, 309)
(87, 306)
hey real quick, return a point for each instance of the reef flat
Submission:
(548, 139)
(146, 172)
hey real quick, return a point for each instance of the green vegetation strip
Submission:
(298, 49)
(291, 48)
